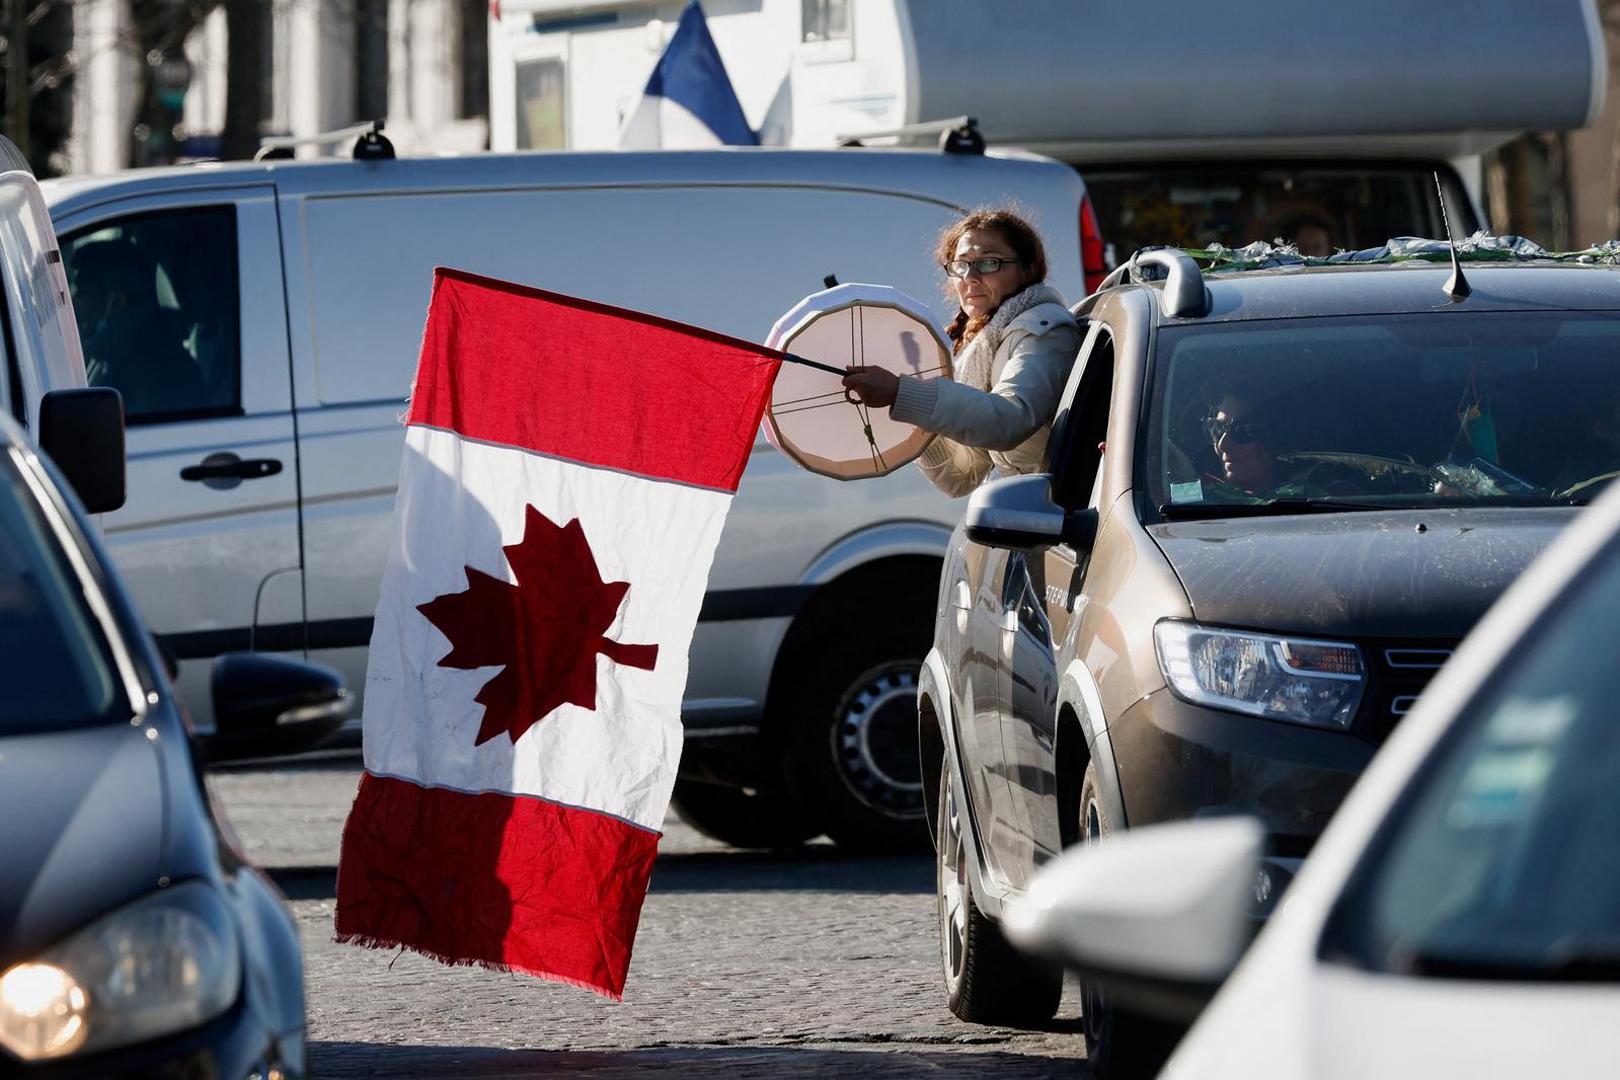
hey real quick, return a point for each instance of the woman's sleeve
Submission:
(1024, 399)
(953, 468)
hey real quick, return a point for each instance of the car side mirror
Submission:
(1018, 513)
(266, 705)
(82, 431)
(1159, 915)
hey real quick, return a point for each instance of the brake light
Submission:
(1092, 263)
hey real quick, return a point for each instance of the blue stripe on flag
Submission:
(691, 74)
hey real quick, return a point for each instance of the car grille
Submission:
(1399, 672)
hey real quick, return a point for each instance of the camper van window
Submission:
(541, 114)
(1319, 207)
(826, 20)
(159, 311)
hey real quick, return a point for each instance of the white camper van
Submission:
(281, 305)
(1230, 122)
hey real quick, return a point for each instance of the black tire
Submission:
(987, 981)
(1120, 1044)
(745, 819)
(850, 749)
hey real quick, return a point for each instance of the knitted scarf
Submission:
(975, 364)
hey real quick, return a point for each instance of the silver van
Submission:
(279, 308)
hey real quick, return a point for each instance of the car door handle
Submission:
(227, 466)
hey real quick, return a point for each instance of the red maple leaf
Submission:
(546, 630)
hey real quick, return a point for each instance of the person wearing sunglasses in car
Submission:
(1015, 342)
(1246, 469)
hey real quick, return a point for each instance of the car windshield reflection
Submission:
(58, 672)
(1392, 411)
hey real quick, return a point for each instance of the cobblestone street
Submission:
(746, 965)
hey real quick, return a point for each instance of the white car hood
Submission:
(1311, 1021)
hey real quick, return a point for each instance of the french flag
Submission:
(688, 102)
(567, 471)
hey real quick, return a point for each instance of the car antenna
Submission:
(1456, 286)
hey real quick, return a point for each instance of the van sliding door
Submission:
(179, 303)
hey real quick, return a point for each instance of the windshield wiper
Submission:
(1269, 508)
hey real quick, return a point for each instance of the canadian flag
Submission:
(567, 471)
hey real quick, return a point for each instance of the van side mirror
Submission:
(270, 705)
(82, 431)
(1018, 513)
(1160, 915)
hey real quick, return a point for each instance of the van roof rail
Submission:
(369, 142)
(1184, 295)
(959, 135)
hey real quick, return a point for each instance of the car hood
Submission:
(1397, 574)
(81, 830)
(1289, 1018)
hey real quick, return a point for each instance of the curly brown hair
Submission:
(1019, 234)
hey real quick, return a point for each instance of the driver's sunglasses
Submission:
(959, 268)
(1233, 430)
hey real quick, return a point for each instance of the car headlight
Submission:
(1281, 678)
(165, 963)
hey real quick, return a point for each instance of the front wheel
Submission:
(852, 755)
(742, 818)
(986, 980)
(1120, 1045)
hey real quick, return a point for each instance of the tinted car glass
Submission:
(1503, 860)
(158, 305)
(1320, 208)
(58, 672)
(1487, 408)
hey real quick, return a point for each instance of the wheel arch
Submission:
(829, 608)
(1081, 740)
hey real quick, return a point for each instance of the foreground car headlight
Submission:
(165, 963)
(1304, 681)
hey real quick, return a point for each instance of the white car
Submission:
(1461, 914)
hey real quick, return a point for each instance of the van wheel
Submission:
(1120, 1045)
(851, 744)
(740, 817)
(986, 980)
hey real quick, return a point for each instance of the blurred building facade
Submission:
(512, 74)
(319, 65)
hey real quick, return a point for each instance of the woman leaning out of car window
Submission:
(1014, 343)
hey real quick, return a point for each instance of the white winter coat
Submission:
(1022, 357)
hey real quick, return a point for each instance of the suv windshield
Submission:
(1501, 861)
(1434, 409)
(58, 673)
(1317, 207)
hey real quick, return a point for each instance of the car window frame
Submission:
(40, 485)
(1069, 435)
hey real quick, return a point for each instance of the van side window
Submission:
(1075, 461)
(159, 311)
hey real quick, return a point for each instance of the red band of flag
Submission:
(510, 882)
(623, 390)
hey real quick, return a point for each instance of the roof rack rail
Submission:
(369, 142)
(959, 135)
(1184, 293)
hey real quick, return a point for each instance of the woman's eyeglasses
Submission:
(960, 268)
(1236, 430)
